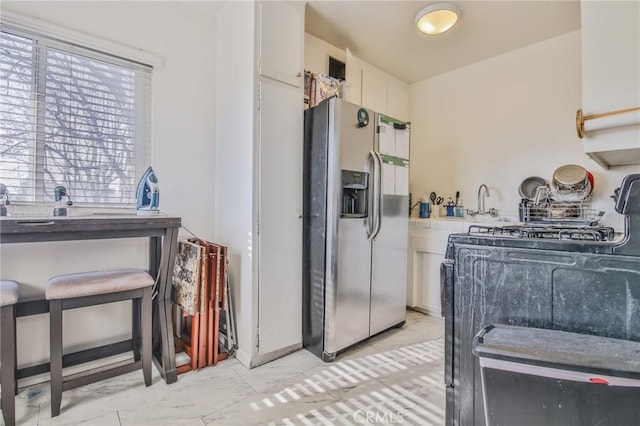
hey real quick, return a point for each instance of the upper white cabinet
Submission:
(373, 88)
(281, 41)
(611, 79)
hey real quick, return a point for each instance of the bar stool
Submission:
(95, 288)
(8, 298)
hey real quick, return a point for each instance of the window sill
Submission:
(42, 210)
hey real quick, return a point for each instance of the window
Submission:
(71, 116)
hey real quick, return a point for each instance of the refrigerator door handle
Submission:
(378, 195)
(372, 199)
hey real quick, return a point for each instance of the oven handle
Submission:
(447, 309)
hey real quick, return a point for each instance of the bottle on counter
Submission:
(459, 209)
(424, 208)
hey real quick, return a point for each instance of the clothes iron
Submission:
(148, 193)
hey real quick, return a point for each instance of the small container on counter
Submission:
(424, 209)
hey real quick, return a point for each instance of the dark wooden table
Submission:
(162, 232)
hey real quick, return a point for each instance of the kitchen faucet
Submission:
(481, 203)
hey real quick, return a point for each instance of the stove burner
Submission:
(591, 233)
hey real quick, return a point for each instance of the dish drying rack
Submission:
(551, 207)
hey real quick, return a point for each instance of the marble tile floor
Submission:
(393, 378)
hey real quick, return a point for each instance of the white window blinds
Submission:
(71, 116)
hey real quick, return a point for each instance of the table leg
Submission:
(162, 324)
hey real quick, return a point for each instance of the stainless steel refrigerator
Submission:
(355, 225)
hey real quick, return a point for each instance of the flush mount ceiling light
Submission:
(437, 18)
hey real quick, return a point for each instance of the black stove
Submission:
(565, 277)
(587, 233)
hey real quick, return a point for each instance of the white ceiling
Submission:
(383, 32)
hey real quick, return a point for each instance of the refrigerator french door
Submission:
(355, 225)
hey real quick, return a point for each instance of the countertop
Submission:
(457, 224)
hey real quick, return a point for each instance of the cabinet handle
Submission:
(299, 74)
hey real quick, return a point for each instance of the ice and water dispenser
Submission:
(355, 190)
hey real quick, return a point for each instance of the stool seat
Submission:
(95, 283)
(8, 292)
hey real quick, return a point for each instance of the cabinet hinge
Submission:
(258, 338)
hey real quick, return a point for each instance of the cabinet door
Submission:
(280, 217)
(430, 290)
(282, 41)
(398, 99)
(427, 250)
(374, 89)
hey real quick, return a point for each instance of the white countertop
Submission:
(457, 224)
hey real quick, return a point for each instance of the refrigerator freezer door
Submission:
(389, 248)
(348, 275)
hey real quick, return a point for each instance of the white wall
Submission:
(234, 162)
(500, 121)
(183, 153)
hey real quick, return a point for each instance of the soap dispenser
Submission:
(60, 207)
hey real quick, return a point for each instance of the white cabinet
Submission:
(611, 77)
(258, 172)
(281, 41)
(280, 223)
(373, 88)
(278, 188)
(427, 247)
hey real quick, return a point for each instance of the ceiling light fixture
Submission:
(437, 18)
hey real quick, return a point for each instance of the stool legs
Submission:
(145, 325)
(8, 360)
(136, 331)
(141, 332)
(141, 341)
(55, 333)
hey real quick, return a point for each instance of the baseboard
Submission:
(243, 357)
(264, 358)
(427, 311)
